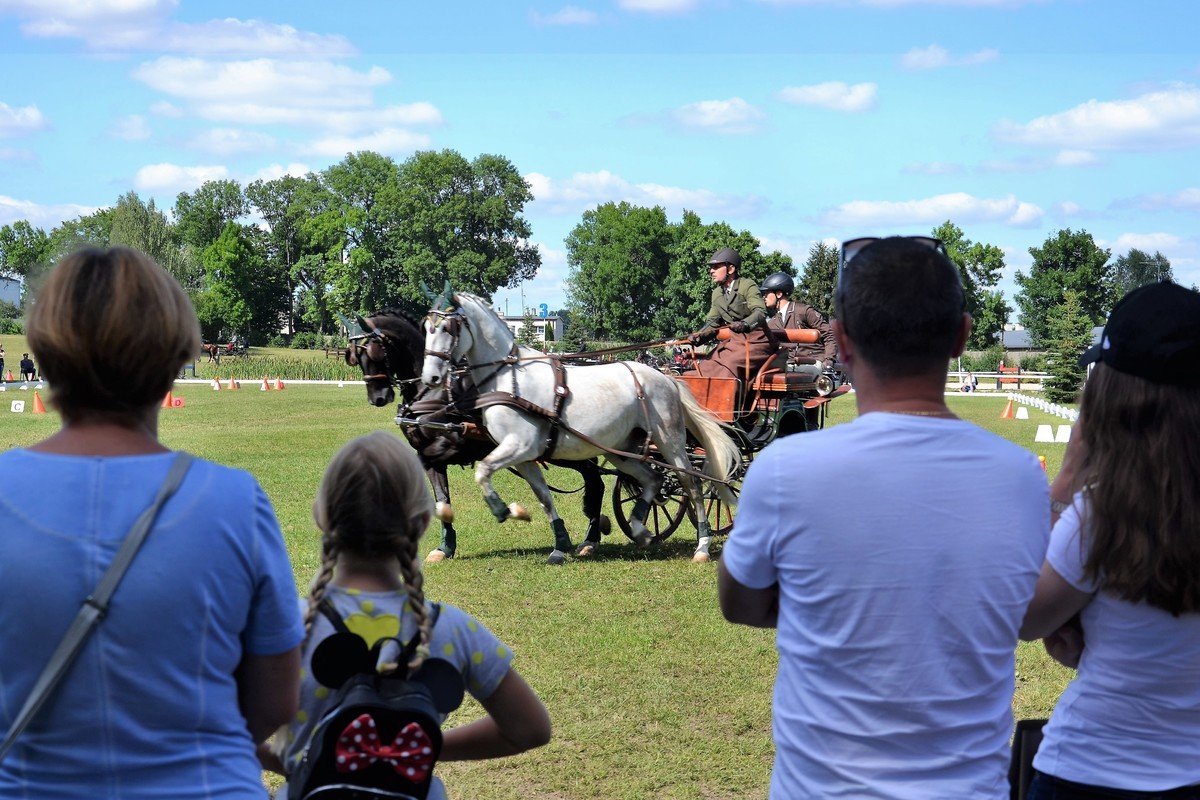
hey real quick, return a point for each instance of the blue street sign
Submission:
(543, 310)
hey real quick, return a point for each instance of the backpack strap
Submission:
(407, 649)
(330, 613)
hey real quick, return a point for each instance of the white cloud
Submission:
(17, 154)
(338, 120)
(19, 121)
(1159, 120)
(554, 263)
(588, 189)
(567, 15)
(730, 116)
(173, 178)
(1075, 158)
(935, 56)
(1183, 200)
(657, 6)
(133, 128)
(230, 141)
(234, 37)
(932, 168)
(304, 84)
(165, 109)
(1147, 242)
(275, 171)
(389, 141)
(38, 215)
(958, 206)
(833, 95)
(1068, 208)
(899, 3)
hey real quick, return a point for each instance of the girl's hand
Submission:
(1065, 645)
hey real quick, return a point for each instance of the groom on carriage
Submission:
(738, 306)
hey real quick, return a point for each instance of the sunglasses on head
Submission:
(852, 247)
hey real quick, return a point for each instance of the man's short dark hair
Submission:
(901, 302)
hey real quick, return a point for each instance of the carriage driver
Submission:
(736, 304)
(787, 313)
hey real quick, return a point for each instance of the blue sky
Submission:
(800, 120)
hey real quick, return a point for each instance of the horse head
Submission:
(467, 332)
(386, 346)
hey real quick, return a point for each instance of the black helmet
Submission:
(778, 282)
(726, 255)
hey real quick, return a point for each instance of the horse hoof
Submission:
(700, 557)
(557, 558)
(444, 512)
(605, 525)
(435, 556)
(586, 549)
(517, 511)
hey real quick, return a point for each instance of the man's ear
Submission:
(844, 345)
(964, 331)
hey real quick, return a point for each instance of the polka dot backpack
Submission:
(382, 736)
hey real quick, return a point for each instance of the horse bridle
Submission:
(452, 322)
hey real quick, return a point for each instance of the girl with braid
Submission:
(372, 508)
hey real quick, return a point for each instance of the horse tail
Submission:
(721, 455)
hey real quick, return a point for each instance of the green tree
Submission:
(200, 217)
(979, 266)
(144, 227)
(1067, 261)
(1137, 268)
(527, 335)
(819, 278)
(1068, 334)
(618, 255)
(241, 294)
(461, 221)
(23, 248)
(688, 288)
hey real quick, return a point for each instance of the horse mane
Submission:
(397, 312)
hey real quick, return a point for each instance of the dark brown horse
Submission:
(213, 351)
(390, 349)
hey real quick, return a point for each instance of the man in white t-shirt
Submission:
(897, 628)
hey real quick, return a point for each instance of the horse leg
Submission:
(593, 502)
(695, 492)
(443, 511)
(650, 482)
(508, 453)
(562, 540)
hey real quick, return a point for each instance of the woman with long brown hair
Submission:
(1125, 557)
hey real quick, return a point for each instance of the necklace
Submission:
(946, 414)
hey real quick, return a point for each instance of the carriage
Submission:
(775, 403)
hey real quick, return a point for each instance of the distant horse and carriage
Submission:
(215, 351)
(678, 446)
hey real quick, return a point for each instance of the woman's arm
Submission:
(269, 691)
(1054, 603)
(516, 721)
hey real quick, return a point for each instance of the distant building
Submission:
(546, 329)
(10, 291)
(1016, 338)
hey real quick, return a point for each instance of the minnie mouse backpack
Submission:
(382, 736)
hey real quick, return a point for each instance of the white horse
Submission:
(604, 407)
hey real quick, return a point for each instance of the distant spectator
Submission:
(2, 377)
(897, 628)
(969, 383)
(1119, 594)
(28, 371)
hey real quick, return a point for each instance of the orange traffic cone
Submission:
(216, 384)
(1008, 410)
(9, 376)
(234, 384)
(278, 383)
(168, 402)
(264, 387)
(38, 408)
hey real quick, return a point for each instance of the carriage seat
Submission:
(774, 377)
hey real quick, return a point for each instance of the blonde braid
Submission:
(316, 593)
(414, 583)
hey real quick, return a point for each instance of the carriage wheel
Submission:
(720, 514)
(666, 512)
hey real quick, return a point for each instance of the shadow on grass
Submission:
(612, 549)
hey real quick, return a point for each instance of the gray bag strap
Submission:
(95, 606)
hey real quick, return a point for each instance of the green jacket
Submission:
(742, 302)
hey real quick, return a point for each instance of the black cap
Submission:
(726, 255)
(1153, 333)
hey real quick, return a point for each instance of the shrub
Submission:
(278, 340)
(308, 340)
(1033, 362)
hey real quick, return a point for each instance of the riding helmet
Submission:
(726, 255)
(778, 282)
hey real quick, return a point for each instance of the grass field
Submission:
(652, 694)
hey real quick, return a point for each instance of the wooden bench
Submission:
(1008, 375)
(334, 352)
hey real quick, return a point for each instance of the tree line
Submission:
(293, 253)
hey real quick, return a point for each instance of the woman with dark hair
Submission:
(197, 659)
(1119, 594)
